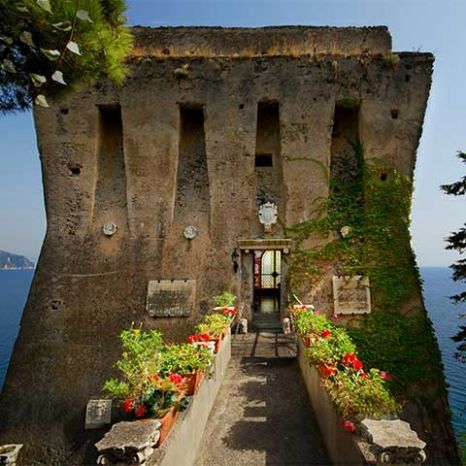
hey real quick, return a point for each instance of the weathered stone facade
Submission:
(176, 147)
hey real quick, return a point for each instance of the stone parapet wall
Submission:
(248, 42)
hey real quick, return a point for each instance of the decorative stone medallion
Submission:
(171, 298)
(109, 229)
(268, 213)
(351, 295)
(98, 413)
(190, 232)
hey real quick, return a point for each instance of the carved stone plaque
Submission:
(98, 413)
(351, 295)
(171, 298)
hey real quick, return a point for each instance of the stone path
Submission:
(262, 415)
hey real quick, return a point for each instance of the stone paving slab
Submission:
(262, 415)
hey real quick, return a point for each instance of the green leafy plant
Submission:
(365, 396)
(373, 199)
(214, 325)
(184, 359)
(224, 299)
(140, 389)
(331, 349)
(309, 322)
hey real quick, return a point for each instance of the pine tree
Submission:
(46, 46)
(457, 241)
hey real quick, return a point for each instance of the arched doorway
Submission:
(267, 282)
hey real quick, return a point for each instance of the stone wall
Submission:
(89, 286)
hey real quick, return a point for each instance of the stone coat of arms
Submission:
(268, 215)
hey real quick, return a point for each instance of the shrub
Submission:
(331, 349)
(224, 299)
(214, 325)
(307, 322)
(184, 359)
(358, 393)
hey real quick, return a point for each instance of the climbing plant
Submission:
(366, 223)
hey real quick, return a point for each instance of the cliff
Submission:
(9, 261)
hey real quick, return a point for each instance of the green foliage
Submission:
(309, 322)
(150, 380)
(457, 240)
(184, 359)
(332, 349)
(354, 395)
(354, 391)
(214, 325)
(48, 45)
(462, 448)
(225, 299)
(374, 202)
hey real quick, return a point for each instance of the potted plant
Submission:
(224, 300)
(202, 340)
(214, 325)
(140, 390)
(189, 361)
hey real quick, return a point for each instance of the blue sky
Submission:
(426, 25)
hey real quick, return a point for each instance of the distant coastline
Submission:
(9, 261)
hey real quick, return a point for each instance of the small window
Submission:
(263, 160)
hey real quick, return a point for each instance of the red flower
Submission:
(327, 370)
(349, 358)
(154, 377)
(325, 333)
(176, 379)
(198, 337)
(362, 374)
(357, 365)
(127, 405)
(385, 375)
(141, 411)
(348, 426)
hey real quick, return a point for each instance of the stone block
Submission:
(98, 413)
(129, 442)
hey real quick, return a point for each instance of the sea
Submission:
(438, 286)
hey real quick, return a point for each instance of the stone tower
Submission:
(162, 181)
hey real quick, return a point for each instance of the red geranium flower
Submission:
(362, 374)
(385, 375)
(325, 333)
(176, 379)
(141, 411)
(357, 365)
(327, 370)
(127, 405)
(348, 425)
(349, 358)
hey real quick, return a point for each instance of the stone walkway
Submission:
(262, 415)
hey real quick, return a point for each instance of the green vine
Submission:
(371, 201)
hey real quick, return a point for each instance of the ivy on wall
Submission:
(366, 222)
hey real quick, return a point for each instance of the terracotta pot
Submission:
(192, 382)
(167, 421)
